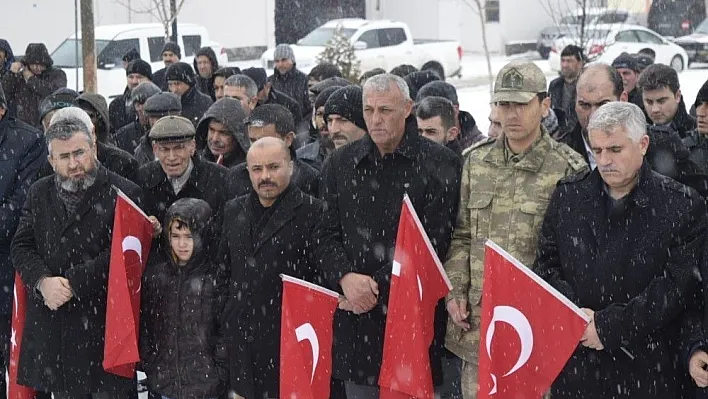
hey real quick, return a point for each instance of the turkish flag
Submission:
(528, 332)
(307, 315)
(15, 390)
(130, 247)
(418, 282)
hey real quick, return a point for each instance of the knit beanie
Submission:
(162, 104)
(702, 96)
(182, 72)
(131, 55)
(625, 60)
(173, 47)
(325, 95)
(347, 103)
(438, 88)
(417, 80)
(143, 91)
(258, 75)
(61, 98)
(284, 51)
(140, 67)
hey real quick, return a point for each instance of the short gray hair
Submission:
(619, 114)
(72, 113)
(382, 83)
(65, 129)
(243, 81)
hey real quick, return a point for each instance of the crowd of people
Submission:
(597, 182)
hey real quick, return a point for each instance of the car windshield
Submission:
(703, 27)
(320, 36)
(68, 54)
(577, 19)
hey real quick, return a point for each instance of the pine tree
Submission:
(340, 52)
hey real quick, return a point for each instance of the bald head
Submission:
(270, 168)
(598, 84)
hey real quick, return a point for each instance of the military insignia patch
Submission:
(512, 79)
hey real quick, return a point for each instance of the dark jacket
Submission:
(229, 112)
(294, 84)
(181, 311)
(556, 91)
(206, 85)
(363, 194)
(62, 350)
(160, 79)
(120, 111)
(278, 97)
(258, 246)
(206, 182)
(697, 145)
(312, 154)
(128, 137)
(143, 153)
(194, 105)
(23, 151)
(635, 97)
(117, 161)
(669, 156)
(469, 132)
(9, 57)
(574, 140)
(683, 122)
(633, 264)
(98, 103)
(304, 177)
(24, 96)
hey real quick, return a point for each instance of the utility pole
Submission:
(173, 14)
(88, 45)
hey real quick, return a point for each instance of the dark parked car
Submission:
(676, 18)
(696, 44)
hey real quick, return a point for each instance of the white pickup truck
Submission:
(113, 41)
(378, 44)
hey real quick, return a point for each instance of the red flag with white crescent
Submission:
(130, 247)
(15, 390)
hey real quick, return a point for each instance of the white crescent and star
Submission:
(516, 319)
(132, 243)
(307, 332)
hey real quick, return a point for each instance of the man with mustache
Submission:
(61, 251)
(225, 132)
(272, 120)
(623, 242)
(345, 116)
(315, 153)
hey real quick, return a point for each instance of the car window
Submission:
(114, 51)
(611, 18)
(192, 44)
(627, 36)
(155, 44)
(391, 36)
(646, 37)
(371, 38)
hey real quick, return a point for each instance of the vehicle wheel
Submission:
(435, 67)
(677, 63)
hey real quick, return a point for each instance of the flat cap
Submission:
(162, 104)
(172, 128)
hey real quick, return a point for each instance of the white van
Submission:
(113, 41)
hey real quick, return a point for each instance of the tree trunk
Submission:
(88, 43)
(483, 23)
(173, 17)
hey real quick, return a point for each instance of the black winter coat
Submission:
(469, 132)
(128, 137)
(194, 105)
(293, 84)
(143, 153)
(669, 156)
(181, 311)
(304, 177)
(206, 85)
(556, 91)
(697, 145)
(283, 243)
(363, 193)
(62, 350)
(206, 182)
(24, 96)
(312, 154)
(117, 161)
(120, 111)
(22, 153)
(160, 79)
(634, 266)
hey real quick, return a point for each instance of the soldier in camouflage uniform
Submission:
(506, 185)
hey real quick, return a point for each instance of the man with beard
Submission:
(344, 116)
(628, 68)
(171, 54)
(181, 80)
(30, 81)
(114, 159)
(224, 130)
(315, 153)
(157, 106)
(243, 89)
(436, 122)
(220, 77)
(205, 63)
(272, 120)
(562, 89)
(128, 137)
(62, 251)
(271, 231)
(697, 140)
(23, 150)
(623, 243)
(6, 57)
(178, 171)
(663, 100)
(321, 72)
(288, 79)
(121, 110)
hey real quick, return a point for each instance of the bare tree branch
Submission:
(477, 7)
(159, 9)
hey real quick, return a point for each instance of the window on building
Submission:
(155, 44)
(491, 10)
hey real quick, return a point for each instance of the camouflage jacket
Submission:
(503, 198)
